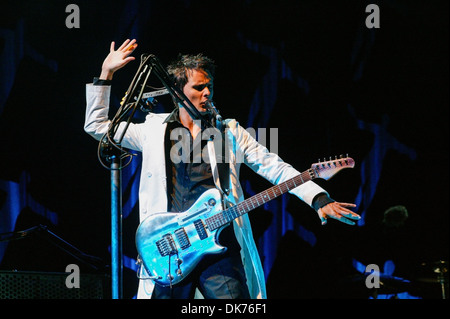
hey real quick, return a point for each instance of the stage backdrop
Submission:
(323, 78)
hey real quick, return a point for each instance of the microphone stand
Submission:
(111, 153)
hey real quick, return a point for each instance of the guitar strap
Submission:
(219, 165)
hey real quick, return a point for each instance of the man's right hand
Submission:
(117, 59)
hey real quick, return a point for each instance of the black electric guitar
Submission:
(170, 245)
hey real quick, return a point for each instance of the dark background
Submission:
(312, 69)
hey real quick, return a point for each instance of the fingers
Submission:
(128, 45)
(340, 218)
(349, 214)
(124, 44)
(345, 220)
(132, 46)
(130, 58)
(340, 212)
(323, 220)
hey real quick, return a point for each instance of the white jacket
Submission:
(148, 138)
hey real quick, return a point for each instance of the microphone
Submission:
(215, 113)
(213, 110)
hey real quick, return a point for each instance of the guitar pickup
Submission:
(166, 245)
(182, 238)
(200, 228)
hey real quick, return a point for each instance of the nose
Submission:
(209, 93)
(206, 92)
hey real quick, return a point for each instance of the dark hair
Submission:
(179, 68)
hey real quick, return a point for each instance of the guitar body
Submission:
(172, 244)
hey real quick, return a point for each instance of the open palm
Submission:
(117, 59)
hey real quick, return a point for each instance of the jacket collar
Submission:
(173, 117)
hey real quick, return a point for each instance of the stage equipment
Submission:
(50, 285)
(39, 284)
(433, 273)
(41, 231)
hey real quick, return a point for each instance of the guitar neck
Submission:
(257, 200)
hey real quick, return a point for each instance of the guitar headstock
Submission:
(327, 169)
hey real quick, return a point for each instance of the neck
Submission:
(193, 126)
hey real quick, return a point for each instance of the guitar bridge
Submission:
(166, 245)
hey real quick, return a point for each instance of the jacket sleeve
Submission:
(271, 166)
(97, 122)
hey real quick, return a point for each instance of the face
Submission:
(199, 89)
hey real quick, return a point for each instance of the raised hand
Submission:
(117, 59)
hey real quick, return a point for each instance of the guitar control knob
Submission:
(179, 261)
(179, 272)
(212, 202)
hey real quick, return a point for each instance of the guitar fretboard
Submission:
(257, 200)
